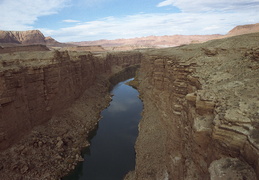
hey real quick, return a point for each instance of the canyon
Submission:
(200, 118)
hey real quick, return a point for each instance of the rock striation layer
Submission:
(200, 118)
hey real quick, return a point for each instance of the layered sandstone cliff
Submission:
(200, 118)
(49, 102)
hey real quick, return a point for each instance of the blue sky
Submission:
(83, 20)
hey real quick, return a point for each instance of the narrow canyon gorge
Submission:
(200, 117)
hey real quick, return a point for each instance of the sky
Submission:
(87, 20)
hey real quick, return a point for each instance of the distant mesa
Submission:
(149, 41)
(31, 37)
(34, 40)
(166, 41)
(245, 29)
(22, 37)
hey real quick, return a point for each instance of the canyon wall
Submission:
(50, 101)
(200, 118)
(35, 88)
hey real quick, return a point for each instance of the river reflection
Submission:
(111, 154)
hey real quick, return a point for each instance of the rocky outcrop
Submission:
(49, 99)
(200, 111)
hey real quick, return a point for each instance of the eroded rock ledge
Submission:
(50, 101)
(200, 118)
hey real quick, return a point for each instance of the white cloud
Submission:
(70, 21)
(212, 5)
(153, 24)
(166, 3)
(21, 14)
(117, 106)
(93, 3)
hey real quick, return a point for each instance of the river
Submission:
(111, 154)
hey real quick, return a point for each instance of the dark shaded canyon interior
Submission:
(200, 118)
